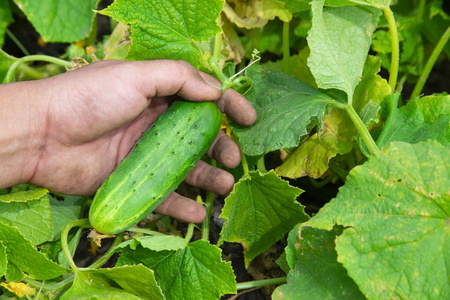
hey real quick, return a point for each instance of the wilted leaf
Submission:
(255, 14)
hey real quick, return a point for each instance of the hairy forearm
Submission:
(22, 123)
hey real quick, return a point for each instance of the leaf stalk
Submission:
(83, 223)
(395, 59)
(10, 74)
(362, 130)
(260, 283)
(430, 64)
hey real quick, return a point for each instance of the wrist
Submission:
(22, 131)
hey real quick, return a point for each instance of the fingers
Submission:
(210, 178)
(182, 208)
(169, 77)
(235, 106)
(225, 151)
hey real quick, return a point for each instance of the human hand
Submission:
(94, 116)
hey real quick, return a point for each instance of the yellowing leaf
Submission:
(18, 288)
(255, 14)
(312, 156)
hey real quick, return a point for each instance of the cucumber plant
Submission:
(324, 112)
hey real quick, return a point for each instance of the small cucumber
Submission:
(159, 162)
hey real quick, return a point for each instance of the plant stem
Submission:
(31, 72)
(286, 47)
(17, 42)
(190, 232)
(261, 165)
(83, 223)
(430, 63)
(102, 260)
(10, 74)
(244, 164)
(260, 283)
(392, 103)
(362, 130)
(144, 230)
(208, 206)
(395, 59)
(421, 10)
(50, 286)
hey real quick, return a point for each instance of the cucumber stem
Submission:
(395, 59)
(261, 165)
(430, 64)
(362, 130)
(83, 223)
(260, 283)
(10, 74)
(208, 206)
(17, 42)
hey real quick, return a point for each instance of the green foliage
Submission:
(395, 208)
(56, 21)
(322, 107)
(270, 212)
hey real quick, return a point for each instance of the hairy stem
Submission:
(10, 74)
(430, 63)
(260, 283)
(395, 59)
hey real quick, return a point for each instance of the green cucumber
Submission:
(159, 162)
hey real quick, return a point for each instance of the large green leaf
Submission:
(60, 21)
(65, 211)
(339, 40)
(23, 257)
(260, 210)
(422, 119)
(28, 211)
(287, 109)
(395, 208)
(196, 272)
(168, 29)
(315, 272)
(127, 282)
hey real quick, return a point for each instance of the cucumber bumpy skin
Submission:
(159, 162)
